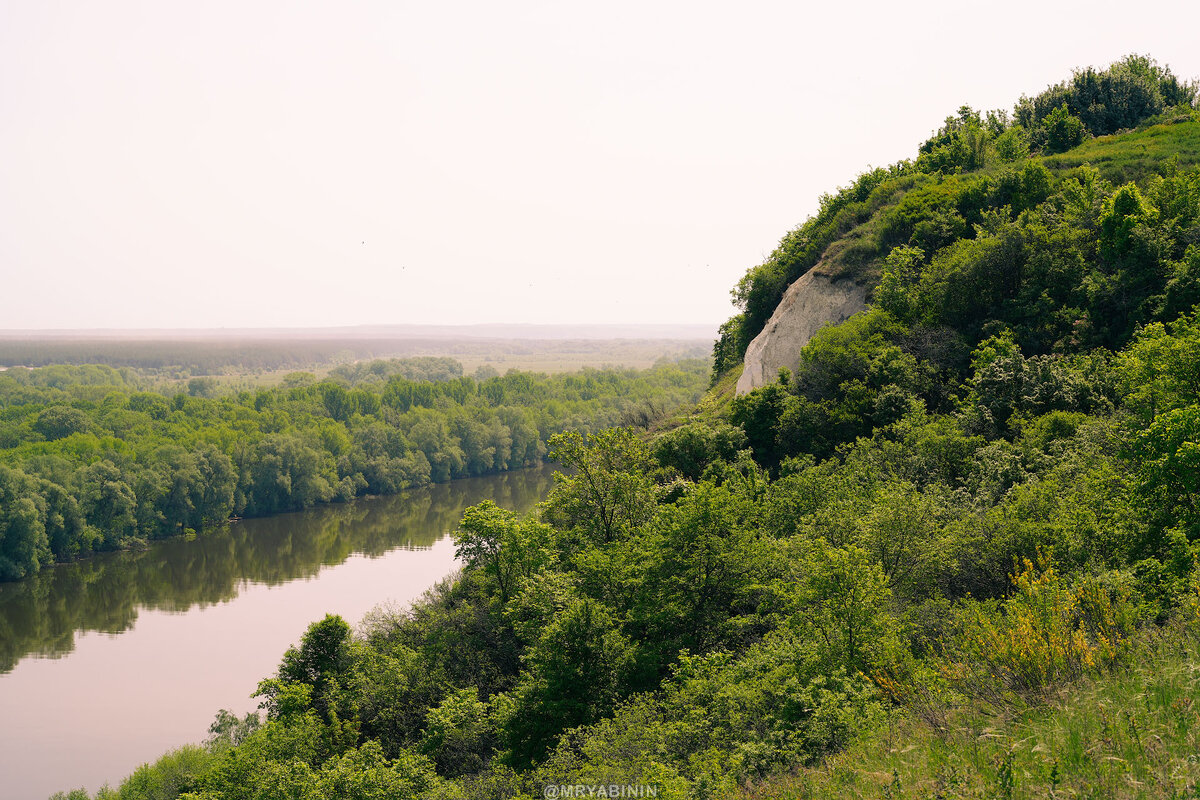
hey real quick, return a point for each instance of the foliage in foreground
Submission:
(710, 635)
(1124, 734)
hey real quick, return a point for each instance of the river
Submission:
(107, 663)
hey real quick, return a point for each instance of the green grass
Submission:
(1134, 156)
(1134, 733)
(712, 407)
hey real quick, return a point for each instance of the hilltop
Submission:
(1004, 219)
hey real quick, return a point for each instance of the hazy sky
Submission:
(169, 164)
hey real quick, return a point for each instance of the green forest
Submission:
(89, 461)
(953, 554)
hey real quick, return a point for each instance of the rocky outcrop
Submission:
(813, 301)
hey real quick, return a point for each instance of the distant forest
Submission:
(183, 358)
(89, 461)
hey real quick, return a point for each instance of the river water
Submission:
(107, 663)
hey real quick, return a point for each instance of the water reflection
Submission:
(41, 615)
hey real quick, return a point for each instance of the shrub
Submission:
(1046, 632)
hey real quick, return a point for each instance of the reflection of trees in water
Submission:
(41, 614)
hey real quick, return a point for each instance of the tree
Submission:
(65, 526)
(1160, 370)
(574, 676)
(610, 492)
(1013, 144)
(460, 734)
(904, 532)
(59, 422)
(1123, 212)
(901, 269)
(703, 577)
(321, 659)
(203, 386)
(285, 474)
(758, 414)
(24, 546)
(1063, 130)
(109, 504)
(337, 401)
(843, 602)
(691, 448)
(495, 541)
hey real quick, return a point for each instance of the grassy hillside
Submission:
(981, 172)
(1130, 733)
(1136, 155)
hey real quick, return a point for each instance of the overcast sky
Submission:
(240, 164)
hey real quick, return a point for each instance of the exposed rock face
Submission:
(813, 301)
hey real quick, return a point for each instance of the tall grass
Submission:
(1134, 156)
(1129, 733)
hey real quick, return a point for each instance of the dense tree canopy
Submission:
(87, 464)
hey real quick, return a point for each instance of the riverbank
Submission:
(89, 463)
(111, 661)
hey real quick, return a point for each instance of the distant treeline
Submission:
(190, 357)
(89, 463)
(185, 358)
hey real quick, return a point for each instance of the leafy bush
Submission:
(1045, 632)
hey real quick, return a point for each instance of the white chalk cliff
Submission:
(813, 301)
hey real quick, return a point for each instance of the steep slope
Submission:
(813, 301)
(978, 175)
(932, 212)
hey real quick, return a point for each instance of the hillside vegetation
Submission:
(1127, 733)
(1002, 188)
(952, 555)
